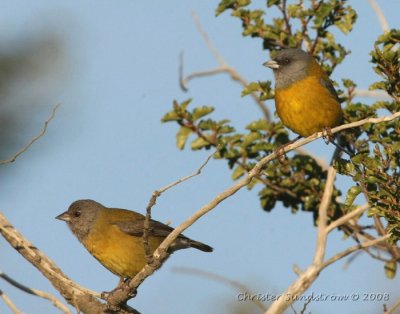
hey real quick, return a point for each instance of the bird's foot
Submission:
(327, 135)
(280, 154)
(280, 151)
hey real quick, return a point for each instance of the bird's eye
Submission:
(77, 213)
(285, 61)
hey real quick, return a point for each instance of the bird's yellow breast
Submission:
(307, 106)
(119, 252)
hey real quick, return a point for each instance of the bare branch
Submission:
(323, 217)
(380, 15)
(342, 220)
(33, 140)
(153, 201)
(81, 298)
(393, 308)
(9, 303)
(223, 67)
(379, 94)
(354, 248)
(220, 278)
(45, 295)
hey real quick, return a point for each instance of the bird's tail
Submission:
(200, 246)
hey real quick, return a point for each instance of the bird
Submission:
(305, 99)
(114, 236)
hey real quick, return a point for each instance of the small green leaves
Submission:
(352, 193)
(182, 136)
(386, 57)
(262, 88)
(298, 183)
(238, 172)
(230, 4)
(200, 112)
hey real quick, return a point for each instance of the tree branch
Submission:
(342, 220)
(354, 248)
(42, 294)
(10, 303)
(223, 67)
(33, 140)
(380, 15)
(378, 94)
(393, 308)
(82, 299)
(323, 217)
(153, 201)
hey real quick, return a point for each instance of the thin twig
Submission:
(393, 308)
(303, 310)
(10, 303)
(342, 220)
(378, 94)
(79, 297)
(323, 217)
(153, 200)
(354, 248)
(33, 140)
(380, 15)
(220, 278)
(223, 67)
(45, 295)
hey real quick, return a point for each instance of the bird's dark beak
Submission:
(64, 216)
(271, 64)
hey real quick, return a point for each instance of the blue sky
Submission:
(118, 78)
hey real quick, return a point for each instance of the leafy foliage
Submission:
(298, 183)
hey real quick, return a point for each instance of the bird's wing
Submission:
(135, 228)
(326, 82)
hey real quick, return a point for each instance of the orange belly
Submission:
(307, 107)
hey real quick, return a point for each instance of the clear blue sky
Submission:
(107, 143)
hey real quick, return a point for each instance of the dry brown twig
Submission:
(10, 303)
(119, 295)
(42, 294)
(217, 277)
(380, 15)
(153, 201)
(81, 298)
(33, 140)
(393, 308)
(223, 67)
(307, 277)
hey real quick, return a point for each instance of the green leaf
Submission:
(199, 143)
(270, 3)
(238, 172)
(224, 5)
(182, 136)
(352, 194)
(202, 111)
(170, 116)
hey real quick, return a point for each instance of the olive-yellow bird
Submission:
(114, 236)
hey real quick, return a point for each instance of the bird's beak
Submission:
(64, 216)
(271, 64)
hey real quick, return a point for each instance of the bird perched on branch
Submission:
(305, 98)
(115, 236)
